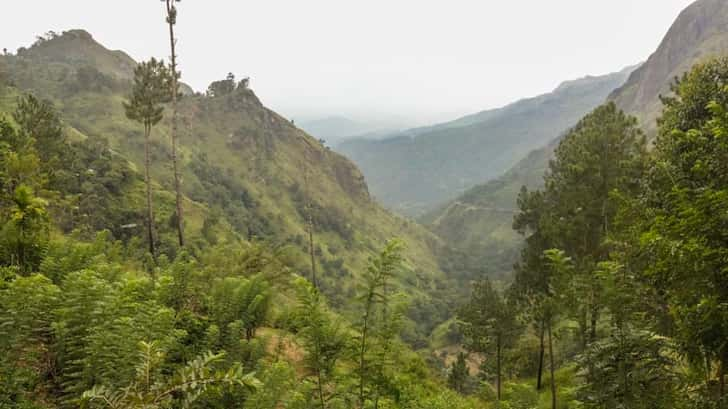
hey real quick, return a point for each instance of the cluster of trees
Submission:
(227, 86)
(623, 273)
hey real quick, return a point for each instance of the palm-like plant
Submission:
(28, 220)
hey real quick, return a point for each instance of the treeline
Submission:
(620, 298)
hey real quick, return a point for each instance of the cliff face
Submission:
(700, 32)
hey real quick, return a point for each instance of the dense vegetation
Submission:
(241, 171)
(622, 281)
(86, 319)
(103, 304)
(281, 285)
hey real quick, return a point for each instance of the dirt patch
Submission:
(449, 354)
(283, 346)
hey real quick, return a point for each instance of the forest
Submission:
(137, 271)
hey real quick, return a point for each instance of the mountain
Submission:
(701, 31)
(337, 129)
(417, 169)
(334, 129)
(246, 170)
(479, 221)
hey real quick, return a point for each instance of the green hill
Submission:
(479, 221)
(247, 172)
(418, 169)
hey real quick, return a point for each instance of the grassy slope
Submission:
(421, 168)
(480, 221)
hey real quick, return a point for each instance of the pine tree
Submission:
(531, 275)
(604, 153)
(490, 324)
(149, 92)
(457, 379)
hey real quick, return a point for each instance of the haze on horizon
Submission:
(404, 61)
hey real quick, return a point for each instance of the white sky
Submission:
(423, 60)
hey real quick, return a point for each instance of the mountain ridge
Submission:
(701, 31)
(698, 33)
(416, 170)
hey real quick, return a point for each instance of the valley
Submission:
(169, 247)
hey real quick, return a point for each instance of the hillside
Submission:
(246, 170)
(470, 224)
(479, 222)
(418, 169)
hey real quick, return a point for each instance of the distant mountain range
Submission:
(415, 170)
(479, 221)
(334, 130)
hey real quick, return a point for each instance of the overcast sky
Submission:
(423, 60)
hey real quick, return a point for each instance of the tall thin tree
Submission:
(149, 91)
(171, 21)
(309, 214)
(309, 223)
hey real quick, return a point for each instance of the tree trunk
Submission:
(624, 356)
(583, 328)
(311, 249)
(498, 368)
(708, 368)
(21, 251)
(309, 221)
(362, 350)
(321, 389)
(171, 21)
(721, 371)
(551, 359)
(541, 352)
(594, 321)
(147, 179)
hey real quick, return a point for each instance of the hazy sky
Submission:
(423, 60)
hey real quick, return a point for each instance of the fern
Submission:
(189, 383)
